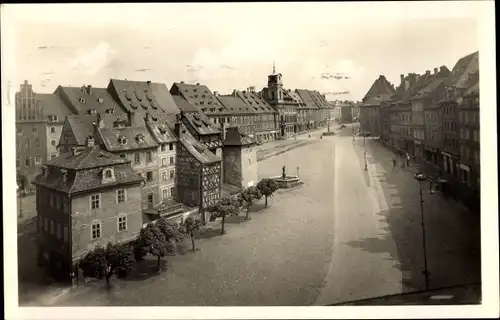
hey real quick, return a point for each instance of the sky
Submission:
(230, 46)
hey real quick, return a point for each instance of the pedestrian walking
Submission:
(394, 163)
(408, 159)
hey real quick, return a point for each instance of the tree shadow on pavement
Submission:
(146, 269)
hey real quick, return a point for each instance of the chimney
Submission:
(197, 83)
(45, 171)
(223, 131)
(64, 175)
(89, 89)
(427, 72)
(402, 78)
(216, 93)
(149, 83)
(435, 70)
(90, 142)
(100, 121)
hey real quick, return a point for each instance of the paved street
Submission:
(345, 234)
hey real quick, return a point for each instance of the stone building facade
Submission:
(370, 115)
(240, 160)
(85, 198)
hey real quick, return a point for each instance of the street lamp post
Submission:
(364, 146)
(20, 194)
(353, 132)
(420, 177)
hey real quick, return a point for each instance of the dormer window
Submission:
(122, 140)
(140, 137)
(127, 96)
(92, 111)
(64, 173)
(108, 175)
(81, 100)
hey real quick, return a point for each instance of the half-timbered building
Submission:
(198, 170)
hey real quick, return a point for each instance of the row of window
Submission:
(28, 161)
(469, 117)
(431, 116)
(53, 228)
(166, 174)
(163, 147)
(96, 227)
(450, 125)
(465, 134)
(34, 129)
(449, 109)
(96, 200)
(164, 162)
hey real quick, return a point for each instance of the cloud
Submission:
(93, 61)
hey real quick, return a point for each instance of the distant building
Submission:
(86, 197)
(346, 113)
(426, 118)
(470, 155)
(286, 107)
(401, 134)
(39, 119)
(456, 136)
(317, 107)
(203, 99)
(265, 125)
(242, 115)
(370, 108)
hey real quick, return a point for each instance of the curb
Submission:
(281, 151)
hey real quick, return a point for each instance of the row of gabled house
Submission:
(435, 118)
(116, 158)
(272, 113)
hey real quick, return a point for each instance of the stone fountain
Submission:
(286, 181)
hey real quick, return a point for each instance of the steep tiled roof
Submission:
(200, 123)
(81, 126)
(84, 99)
(84, 171)
(138, 96)
(319, 99)
(158, 126)
(184, 105)
(253, 100)
(164, 98)
(89, 157)
(53, 105)
(463, 69)
(134, 138)
(307, 98)
(197, 149)
(380, 90)
(235, 104)
(296, 97)
(198, 95)
(235, 138)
